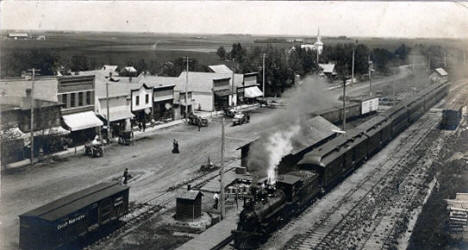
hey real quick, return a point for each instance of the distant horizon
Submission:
(260, 18)
(227, 34)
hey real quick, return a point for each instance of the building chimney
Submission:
(189, 187)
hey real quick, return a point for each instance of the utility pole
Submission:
(445, 59)
(263, 75)
(232, 98)
(221, 173)
(352, 66)
(344, 103)
(186, 94)
(32, 115)
(370, 75)
(107, 104)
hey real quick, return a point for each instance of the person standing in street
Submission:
(125, 176)
(175, 147)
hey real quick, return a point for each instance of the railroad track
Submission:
(324, 231)
(141, 211)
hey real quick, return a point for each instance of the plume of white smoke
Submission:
(286, 126)
(279, 144)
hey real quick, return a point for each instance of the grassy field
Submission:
(122, 48)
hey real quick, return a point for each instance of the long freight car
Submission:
(59, 224)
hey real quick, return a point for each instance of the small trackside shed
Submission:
(60, 223)
(188, 205)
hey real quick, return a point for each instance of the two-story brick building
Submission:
(76, 93)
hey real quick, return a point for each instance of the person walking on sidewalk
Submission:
(216, 200)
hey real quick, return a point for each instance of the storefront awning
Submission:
(11, 134)
(252, 92)
(118, 113)
(83, 120)
(223, 92)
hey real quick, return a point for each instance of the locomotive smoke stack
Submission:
(266, 153)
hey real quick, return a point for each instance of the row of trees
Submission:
(282, 65)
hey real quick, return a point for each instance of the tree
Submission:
(78, 63)
(402, 52)
(141, 66)
(221, 52)
(381, 58)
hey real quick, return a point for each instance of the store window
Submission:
(64, 100)
(72, 100)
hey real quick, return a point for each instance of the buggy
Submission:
(197, 120)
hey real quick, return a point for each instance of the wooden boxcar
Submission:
(59, 224)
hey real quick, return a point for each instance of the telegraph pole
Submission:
(221, 172)
(352, 66)
(186, 94)
(232, 98)
(107, 104)
(32, 115)
(263, 75)
(370, 75)
(344, 103)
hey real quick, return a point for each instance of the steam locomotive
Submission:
(324, 167)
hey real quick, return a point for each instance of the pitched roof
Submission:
(110, 67)
(220, 68)
(189, 195)
(45, 88)
(327, 68)
(314, 131)
(158, 81)
(129, 69)
(441, 72)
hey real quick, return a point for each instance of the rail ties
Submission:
(323, 235)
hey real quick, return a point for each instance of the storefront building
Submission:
(141, 102)
(117, 97)
(248, 91)
(163, 95)
(76, 93)
(210, 91)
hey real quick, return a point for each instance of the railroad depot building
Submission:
(77, 96)
(314, 132)
(439, 75)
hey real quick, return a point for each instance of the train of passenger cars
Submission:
(324, 167)
(64, 223)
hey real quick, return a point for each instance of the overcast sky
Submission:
(388, 19)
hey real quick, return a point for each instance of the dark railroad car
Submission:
(59, 224)
(450, 119)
